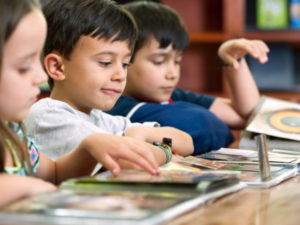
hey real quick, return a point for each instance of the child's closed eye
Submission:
(177, 62)
(157, 62)
(125, 65)
(23, 70)
(105, 64)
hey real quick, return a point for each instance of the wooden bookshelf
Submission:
(274, 36)
(208, 37)
(209, 23)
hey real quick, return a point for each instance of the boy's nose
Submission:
(172, 72)
(119, 74)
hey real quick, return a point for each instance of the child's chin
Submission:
(107, 107)
(18, 118)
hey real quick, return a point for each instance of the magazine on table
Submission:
(133, 197)
(233, 154)
(250, 172)
(275, 144)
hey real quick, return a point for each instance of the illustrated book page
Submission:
(277, 118)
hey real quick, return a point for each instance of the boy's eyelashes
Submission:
(107, 64)
(125, 65)
(157, 62)
(177, 62)
(28, 63)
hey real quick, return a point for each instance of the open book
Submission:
(275, 144)
(242, 155)
(134, 197)
(248, 166)
(277, 118)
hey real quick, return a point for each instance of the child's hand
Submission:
(232, 50)
(108, 149)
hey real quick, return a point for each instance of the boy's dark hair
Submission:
(158, 21)
(68, 20)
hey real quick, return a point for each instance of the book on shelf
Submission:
(279, 120)
(272, 14)
(294, 14)
(249, 168)
(134, 197)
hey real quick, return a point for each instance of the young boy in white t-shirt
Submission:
(87, 51)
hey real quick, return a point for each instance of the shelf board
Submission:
(208, 37)
(290, 36)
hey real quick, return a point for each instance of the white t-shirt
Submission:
(57, 128)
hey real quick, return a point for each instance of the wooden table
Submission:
(279, 205)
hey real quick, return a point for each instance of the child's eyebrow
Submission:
(160, 54)
(180, 54)
(28, 56)
(111, 53)
(163, 54)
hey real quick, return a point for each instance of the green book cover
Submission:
(272, 14)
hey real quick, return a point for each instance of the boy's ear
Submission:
(54, 66)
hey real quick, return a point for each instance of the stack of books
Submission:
(134, 197)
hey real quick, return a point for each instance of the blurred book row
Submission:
(273, 14)
(281, 72)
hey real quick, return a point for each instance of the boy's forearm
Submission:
(243, 90)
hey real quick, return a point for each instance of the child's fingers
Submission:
(142, 157)
(111, 164)
(240, 47)
(145, 152)
(139, 153)
(261, 51)
(264, 46)
(259, 54)
(110, 161)
(146, 164)
(142, 148)
(256, 49)
(251, 49)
